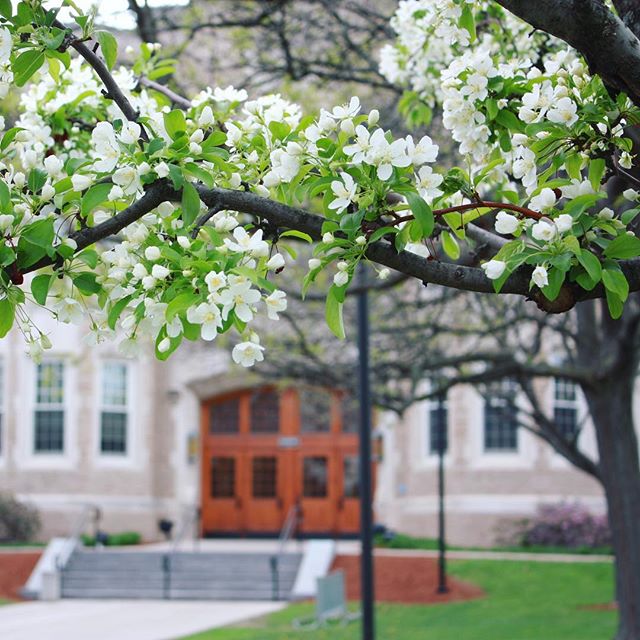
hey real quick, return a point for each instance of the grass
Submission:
(22, 545)
(525, 601)
(402, 541)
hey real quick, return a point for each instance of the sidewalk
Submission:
(354, 549)
(122, 619)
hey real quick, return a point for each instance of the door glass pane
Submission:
(265, 412)
(264, 477)
(350, 477)
(315, 411)
(350, 413)
(225, 416)
(223, 477)
(315, 477)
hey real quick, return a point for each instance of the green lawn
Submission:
(525, 601)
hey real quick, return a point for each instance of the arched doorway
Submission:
(265, 450)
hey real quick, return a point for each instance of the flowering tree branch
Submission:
(610, 46)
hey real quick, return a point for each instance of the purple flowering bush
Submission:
(565, 525)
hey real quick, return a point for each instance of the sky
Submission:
(113, 12)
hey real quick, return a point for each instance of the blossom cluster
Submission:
(534, 132)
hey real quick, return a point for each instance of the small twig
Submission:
(204, 218)
(176, 98)
(113, 91)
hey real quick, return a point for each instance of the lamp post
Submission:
(442, 430)
(366, 510)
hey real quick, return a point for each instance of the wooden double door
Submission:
(266, 450)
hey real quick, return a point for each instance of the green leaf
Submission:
(108, 46)
(175, 123)
(36, 180)
(6, 10)
(26, 64)
(450, 245)
(175, 174)
(333, 313)
(572, 163)
(615, 304)
(95, 196)
(280, 130)
(510, 121)
(596, 171)
(190, 204)
(214, 139)
(623, 247)
(292, 233)
(422, 212)
(117, 310)
(614, 280)
(40, 288)
(86, 283)
(467, 21)
(591, 265)
(5, 196)
(556, 278)
(155, 145)
(200, 173)
(180, 304)
(9, 137)
(7, 314)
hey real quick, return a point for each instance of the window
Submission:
(351, 479)
(265, 411)
(223, 477)
(225, 417)
(315, 411)
(264, 475)
(565, 407)
(438, 420)
(114, 414)
(49, 413)
(315, 476)
(501, 417)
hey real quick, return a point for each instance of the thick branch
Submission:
(285, 217)
(608, 44)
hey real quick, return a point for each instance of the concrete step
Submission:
(236, 576)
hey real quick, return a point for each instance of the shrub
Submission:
(19, 522)
(115, 539)
(565, 525)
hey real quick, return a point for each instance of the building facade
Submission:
(145, 441)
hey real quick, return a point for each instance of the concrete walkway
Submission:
(122, 619)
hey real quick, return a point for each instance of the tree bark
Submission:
(611, 407)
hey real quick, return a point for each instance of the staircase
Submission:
(180, 575)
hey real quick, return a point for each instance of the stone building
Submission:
(145, 441)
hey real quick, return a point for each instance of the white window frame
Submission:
(51, 406)
(524, 457)
(114, 458)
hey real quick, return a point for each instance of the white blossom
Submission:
(493, 269)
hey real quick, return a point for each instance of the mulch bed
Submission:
(404, 579)
(15, 568)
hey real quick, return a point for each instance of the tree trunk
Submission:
(611, 407)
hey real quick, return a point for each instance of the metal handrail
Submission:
(288, 528)
(190, 516)
(88, 510)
